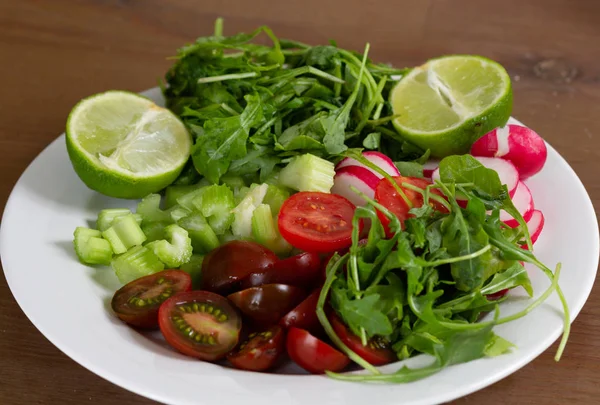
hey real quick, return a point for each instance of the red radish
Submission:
(523, 202)
(535, 225)
(377, 158)
(521, 145)
(429, 168)
(358, 176)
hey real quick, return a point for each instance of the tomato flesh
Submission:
(200, 324)
(304, 316)
(137, 302)
(224, 267)
(376, 352)
(301, 270)
(386, 195)
(313, 354)
(317, 222)
(260, 351)
(268, 303)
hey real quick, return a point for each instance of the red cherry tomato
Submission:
(200, 324)
(301, 270)
(267, 304)
(260, 351)
(137, 302)
(497, 295)
(376, 352)
(304, 316)
(386, 195)
(225, 266)
(313, 354)
(317, 222)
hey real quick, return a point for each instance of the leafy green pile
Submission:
(425, 289)
(250, 107)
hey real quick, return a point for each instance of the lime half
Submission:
(123, 145)
(449, 102)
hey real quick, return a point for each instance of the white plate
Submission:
(68, 302)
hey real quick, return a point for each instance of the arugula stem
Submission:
(371, 105)
(434, 197)
(231, 76)
(459, 258)
(219, 27)
(378, 111)
(230, 110)
(331, 276)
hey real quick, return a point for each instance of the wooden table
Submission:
(52, 53)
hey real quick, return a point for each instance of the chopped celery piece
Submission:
(187, 199)
(215, 204)
(265, 232)
(90, 247)
(275, 197)
(234, 182)
(239, 194)
(227, 237)
(154, 231)
(172, 193)
(138, 218)
(177, 212)
(194, 268)
(124, 233)
(176, 249)
(106, 217)
(203, 237)
(242, 223)
(135, 263)
(308, 173)
(149, 209)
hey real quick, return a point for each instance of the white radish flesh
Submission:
(429, 168)
(535, 225)
(358, 176)
(519, 144)
(523, 202)
(506, 171)
(377, 158)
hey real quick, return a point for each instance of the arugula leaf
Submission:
(362, 313)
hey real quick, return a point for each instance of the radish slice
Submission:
(535, 225)
(429, 168)
(507, 172)
(358, 176)
(377, 158)
(523, 202)
(519, 144)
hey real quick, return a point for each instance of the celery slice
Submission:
(265, 231)
(106, 217)
(308, 173)
(242, 223)
(172, 193)
(203, 237)
(215, 204)
(137, 262)
(149, 209)
(194, 268)
(177, 212)
(154, 231)
(90, 247)
(233, 182)
(275, 197)
(176, 249)
(124, 233)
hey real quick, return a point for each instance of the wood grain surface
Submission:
(53, 53)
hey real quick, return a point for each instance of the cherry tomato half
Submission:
(267, 304)
(386, 195)
(497, 295)
(301, 270)
(376, 352)
(313, 354)
(304, 316)
(260, 351)
(137, 302)
(225, 266)
(317, 222)
(200, 324)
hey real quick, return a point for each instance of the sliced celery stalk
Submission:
(265, 232)
(203, 237)
(234, 182)
(137, 262)
(308, 173)
(172, 193)
(124, 233)
(242, 223)
(176, 249)
(154, 231)
(90, 247)
(149, 209)
(177, 212)
(215, 204)
(106, 217)
(194, 268)
(275, 197)
(186, 199)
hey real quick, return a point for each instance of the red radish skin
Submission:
(377, 158)
(429, 168)
(358, 176)
(519, 144)
(523, 202)
(535, 225)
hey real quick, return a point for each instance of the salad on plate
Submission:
(304, 203)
